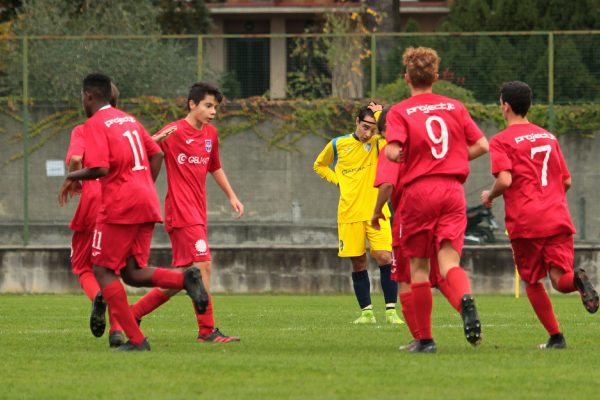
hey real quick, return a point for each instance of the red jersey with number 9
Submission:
(434, 132)
(117, 141)
(535, 203)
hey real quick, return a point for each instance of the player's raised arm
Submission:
(321, 164)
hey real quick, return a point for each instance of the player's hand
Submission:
(375, 107)
(377, 215)
(68, 189)
(237, 206)
(161, 136)
(485, 199)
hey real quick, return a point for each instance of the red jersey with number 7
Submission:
(117, 141)
(434, 132)
(535, 203)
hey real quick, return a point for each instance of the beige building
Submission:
(261, 64)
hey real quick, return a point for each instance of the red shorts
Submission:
(401, 269)
(81, 252)
(433, 209)
(535, 257)
(189, 244)
(112, 244)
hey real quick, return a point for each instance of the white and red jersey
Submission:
(434, 132)
(85, 215)
(535, 203)
(117, 141)
(390, 172)
(190, 154)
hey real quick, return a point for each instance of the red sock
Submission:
(89, 284)
(206, 321)
(458, 280)
(116, 298)
(148, 303)
(452, 296)
(408, 309)
(543, 307)
(565, 283)
(167, 279)
(112, 320)
(423, 303)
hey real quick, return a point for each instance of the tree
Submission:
(183, 17)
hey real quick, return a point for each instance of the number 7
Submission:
(540, 149)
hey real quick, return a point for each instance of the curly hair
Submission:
(422, 65)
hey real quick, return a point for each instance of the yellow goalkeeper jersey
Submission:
(353, 168)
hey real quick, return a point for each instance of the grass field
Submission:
(296, 347)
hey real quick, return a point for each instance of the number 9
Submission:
(443, 138)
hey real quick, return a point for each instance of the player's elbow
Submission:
(567, 183)
(504, 180)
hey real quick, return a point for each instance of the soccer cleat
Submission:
(216, 336)
(423, 348)
(471, 323)
(391, 317)
(366, 317)
(97, 317)
(408, 347)
(144, 346)
(116, 339)
(588, 294)
(555, 342)
(192, 282)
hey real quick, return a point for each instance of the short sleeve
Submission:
(395, 126)
(472, 131)
(76, 144)
(96, 143)
(499, 157)
(215, 157)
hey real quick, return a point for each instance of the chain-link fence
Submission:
(40, 80)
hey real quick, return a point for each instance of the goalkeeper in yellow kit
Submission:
(353, 161)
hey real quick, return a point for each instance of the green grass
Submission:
(296, 347)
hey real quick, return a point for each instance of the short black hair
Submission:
(200, 90)
(365, 112)
(99, 85)
(381, 124)
(518, 95)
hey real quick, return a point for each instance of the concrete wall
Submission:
(278, 269)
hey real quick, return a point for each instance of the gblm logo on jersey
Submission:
(183, 158)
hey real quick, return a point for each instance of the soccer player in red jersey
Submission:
(435, 137)
(120, 152)
(388, 180)
(532, 175)
(82, 225)
(191, 148)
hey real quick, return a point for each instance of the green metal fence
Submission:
(41, 75)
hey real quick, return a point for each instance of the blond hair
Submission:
(422, 65)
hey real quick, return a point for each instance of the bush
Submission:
(399, 90)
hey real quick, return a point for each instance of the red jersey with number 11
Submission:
(434, 132)
(535, 203)
(117, 141)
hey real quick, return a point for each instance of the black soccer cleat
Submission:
(555, 342)
(471, 323)
(116, 339)
(192, 282)
(144, 346)
(97, 317)
(216, 336)
(588, 294)
(420, 347)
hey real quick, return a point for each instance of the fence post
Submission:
(551, 114)
(199, 59)
(25, 95)
(373, 66)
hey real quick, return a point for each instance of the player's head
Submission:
(96, 92)
(381, 123)
(422, 65)
(515, 97)
(366, 126)
(114, 95)
(203, 100)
